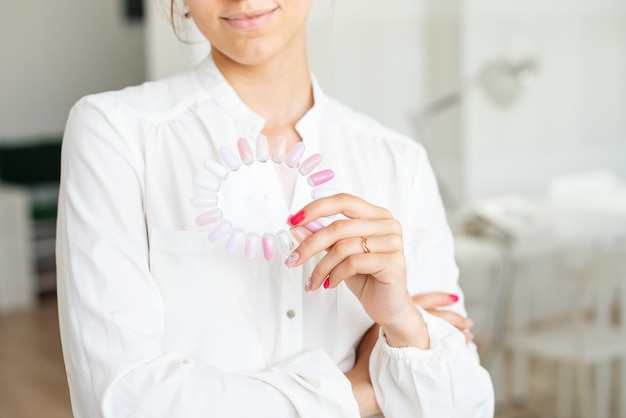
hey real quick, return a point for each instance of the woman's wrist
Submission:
(408, 331)
(363, 392)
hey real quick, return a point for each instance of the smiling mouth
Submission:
(252, 20)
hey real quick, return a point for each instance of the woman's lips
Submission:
(248, 21)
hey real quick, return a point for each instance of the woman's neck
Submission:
(279, 90)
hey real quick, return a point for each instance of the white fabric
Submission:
(158, 322)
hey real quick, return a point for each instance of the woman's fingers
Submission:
(350, 206)
(432, 300)
(454, 318)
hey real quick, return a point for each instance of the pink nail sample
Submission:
(247, 157)
(314, 226)
(321, 192)
(220, 231)
(209, 217)
(217, 169)
(262, 149)
(204, 201)
(268, 242)
(211, 185)
(299, 233)
(230, 158)
(293, 159)
(309, 164)
(235, 240)
(252, 245)
(320, 177)
(279, 150)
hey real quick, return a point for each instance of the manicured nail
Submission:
(307, 285)
(252, 245)
(209, 217)
(309, 164)
(211, 185)
(230, 158)
(320, 177)
(314, 226)
(268, 243)
(204, 201)
(297, 218)
(235, 240)
(327, 282)
(280, 148)
(217, 169)
(247, 157)
(262, 149)
(292, 259)
(299, 233)
(220, 231)
(293, 159)
(454, 298)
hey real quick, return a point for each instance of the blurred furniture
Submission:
(17, 280)
(589, 335)
(32, 168)
(517, 256)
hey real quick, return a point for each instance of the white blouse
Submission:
(156, 321)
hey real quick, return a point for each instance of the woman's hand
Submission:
(432, 301)
(366, 252)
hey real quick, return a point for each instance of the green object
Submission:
(35, 165)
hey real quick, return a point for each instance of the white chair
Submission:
(590, 337)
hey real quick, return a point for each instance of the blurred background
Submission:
(520, 103)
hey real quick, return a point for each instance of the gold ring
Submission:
(366, 249)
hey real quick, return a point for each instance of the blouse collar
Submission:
(250, 123)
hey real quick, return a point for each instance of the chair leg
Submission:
(602, 389)
(564, 398)
(621, 392)
(584, 391)
(520, 363)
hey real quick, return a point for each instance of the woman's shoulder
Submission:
(151, 100)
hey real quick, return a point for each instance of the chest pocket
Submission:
(208, 297)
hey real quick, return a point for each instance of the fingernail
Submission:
(293, 158)
(208, 184)
(220, 231)
(235, 240)
(209, 217)
(252, 244)
(309, 164)
(299, 233)
(262, 149)
(307, 285)
(230, 159)
(280, 147)
(217, 169)
(292, 259)
(314, 226)
(327, 282)
(267, 242)
(320, 177)
(297, 218)
(454, 298)
(204, 201)
(247, 157)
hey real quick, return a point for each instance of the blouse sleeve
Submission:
(447, 379)
(111, 311)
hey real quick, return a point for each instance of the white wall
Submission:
(54, 52)
(571, 119)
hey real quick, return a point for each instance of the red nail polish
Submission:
(297, 218)
(454, 298)
(327, 282)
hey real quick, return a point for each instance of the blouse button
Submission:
(291, 313)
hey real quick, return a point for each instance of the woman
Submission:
(157, 322)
